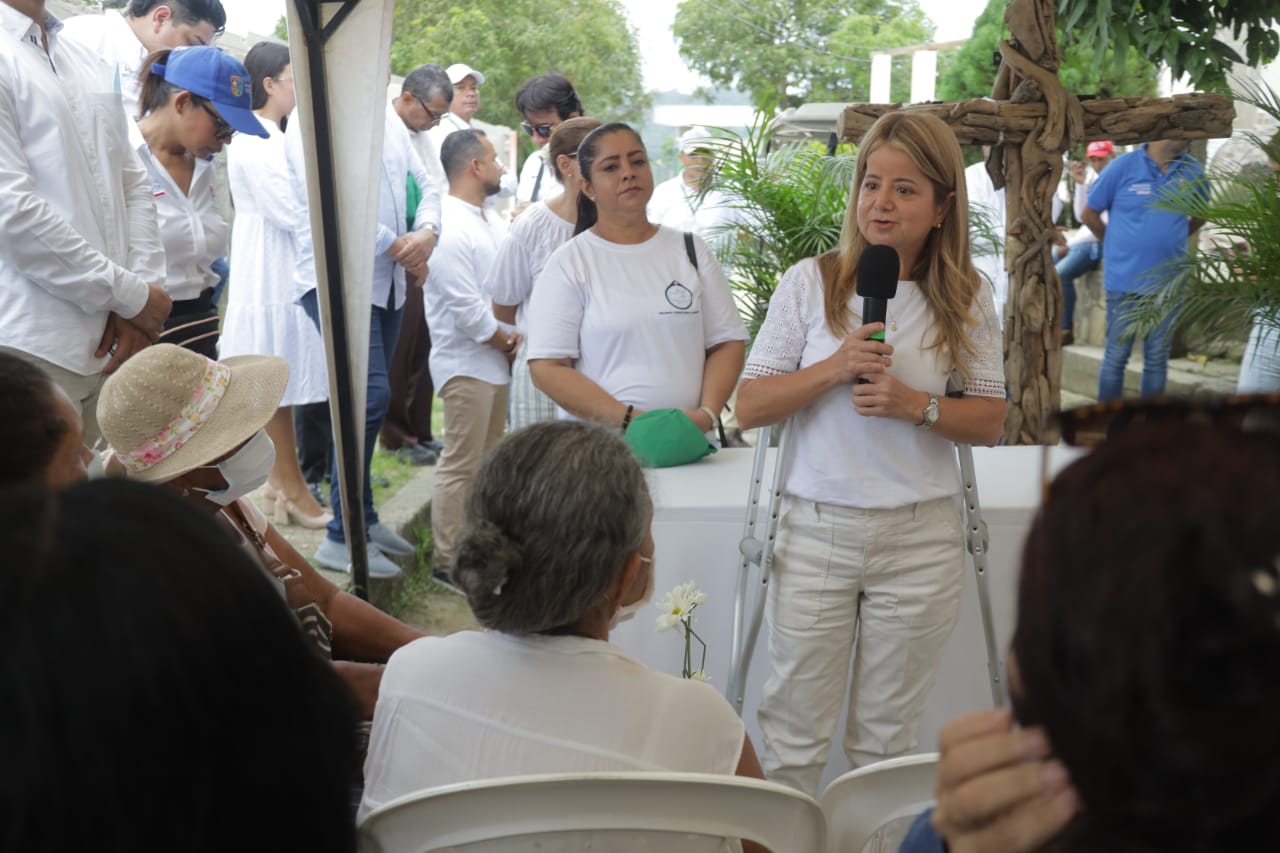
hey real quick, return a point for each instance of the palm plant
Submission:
(1222, 288)
(792, 199)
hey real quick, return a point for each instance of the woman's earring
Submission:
(937, 225)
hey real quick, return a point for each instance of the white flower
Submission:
(699, 676)
(677, 604)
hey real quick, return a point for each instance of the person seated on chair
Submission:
(556, 550)
(197, 426)
(155, 694)
(40, 427)
(1143, 666)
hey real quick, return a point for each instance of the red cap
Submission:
(1100, 149)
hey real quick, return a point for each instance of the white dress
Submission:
(262, 317)
(533, 237)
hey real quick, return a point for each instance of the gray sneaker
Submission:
(417, 455)
(333, 556)
(389, 541)
(380, 566)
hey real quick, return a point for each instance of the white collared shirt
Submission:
(78, 234)
(459, 311)
(109, 37)
(194, 234)
(399, 160)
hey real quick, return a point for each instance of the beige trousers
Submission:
(875, 590)
(475, 414)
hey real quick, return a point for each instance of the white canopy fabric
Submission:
(340, 55)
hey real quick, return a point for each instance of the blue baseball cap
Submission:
(218, 78)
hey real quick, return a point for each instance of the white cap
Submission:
(460, 71)
(695, 138)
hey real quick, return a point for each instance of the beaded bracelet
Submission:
(626, 419)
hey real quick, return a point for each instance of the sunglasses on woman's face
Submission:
(221, 130)
(543, 130)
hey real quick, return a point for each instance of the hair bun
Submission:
(486, 558)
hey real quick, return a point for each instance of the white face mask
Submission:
(626, 611)
(245, 471)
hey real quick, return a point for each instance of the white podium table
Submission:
(699, 513)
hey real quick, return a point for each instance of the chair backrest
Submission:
(643, 808)
(862, 801)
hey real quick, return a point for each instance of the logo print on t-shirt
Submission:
(679, 296)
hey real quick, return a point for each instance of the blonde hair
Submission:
(944, 271)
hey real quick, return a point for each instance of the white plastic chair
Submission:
(863, 801)
(597, 812)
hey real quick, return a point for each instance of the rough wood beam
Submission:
(1124, 121)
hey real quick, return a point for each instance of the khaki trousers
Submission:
(475, 414)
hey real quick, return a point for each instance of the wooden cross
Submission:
(1029, 121)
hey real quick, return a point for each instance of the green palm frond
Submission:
(793, 198)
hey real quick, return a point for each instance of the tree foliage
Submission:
(970, 71)
(787, 52)
(1181, 33)
(591, 42)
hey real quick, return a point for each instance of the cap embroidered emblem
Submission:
(237, 86)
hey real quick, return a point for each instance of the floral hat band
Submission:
(194, 415)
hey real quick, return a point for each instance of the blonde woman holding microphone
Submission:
(870, 546)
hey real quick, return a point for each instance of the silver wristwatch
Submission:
(930, 415)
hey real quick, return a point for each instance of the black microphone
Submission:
(878, 283)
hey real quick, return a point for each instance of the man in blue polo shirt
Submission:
(1137, 238)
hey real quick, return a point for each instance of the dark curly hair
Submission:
(30, 427)
(1148, 639)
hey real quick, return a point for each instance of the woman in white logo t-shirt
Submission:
(543, 227)
(621, 321)
(869, 544)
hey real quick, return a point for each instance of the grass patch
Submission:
(388, 472)
(421, 601)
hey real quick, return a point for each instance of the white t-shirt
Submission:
(839, 456)
(481, 704)
(636, 319)
(678, 205)
(988, 258)
(534, 235)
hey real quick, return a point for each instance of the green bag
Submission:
(663, 438)
(412, 196)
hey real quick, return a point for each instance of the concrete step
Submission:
(1080, 365)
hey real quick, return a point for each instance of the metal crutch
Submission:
(976, 540)
(757, 552)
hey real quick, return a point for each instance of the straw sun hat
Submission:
(168, 410)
